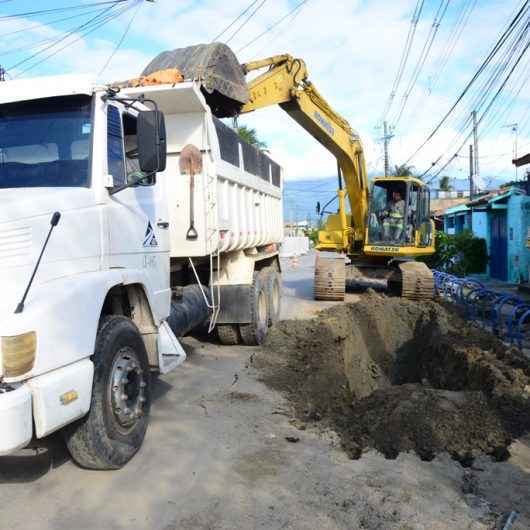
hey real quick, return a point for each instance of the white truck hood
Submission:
(74, 247)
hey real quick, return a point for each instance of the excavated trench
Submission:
(397, 376)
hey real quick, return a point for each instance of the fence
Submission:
(506, 315)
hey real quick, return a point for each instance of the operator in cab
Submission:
(394, 218)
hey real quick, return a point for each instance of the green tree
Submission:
(250, 136)
(445, 184)
(403, 170)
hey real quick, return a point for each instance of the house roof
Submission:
(495, 196)
(439, 206)
(459, 208)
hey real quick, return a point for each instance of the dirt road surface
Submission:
(217, 457)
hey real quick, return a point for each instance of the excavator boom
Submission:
(373, 235)
(286, 84)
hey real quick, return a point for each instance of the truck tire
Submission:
(254, 333)
(113, 430)
(228, 334)
(274, 295)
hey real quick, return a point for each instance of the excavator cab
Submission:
(399, 217)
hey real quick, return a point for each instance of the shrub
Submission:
(459, 254)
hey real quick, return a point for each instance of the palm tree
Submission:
(250, 136)
(445, 184)
(403, 170)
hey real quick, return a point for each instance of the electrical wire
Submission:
(39, 25)
(267, 45)
(93, 27)
(64, 37)
(270, 28)
(404, 57)
(120, 42)
(498, 45)
(60, 9)
(440, 13)
(245, 22)
(488, 108)
(42, 42)
(242, 14)
(421, 106)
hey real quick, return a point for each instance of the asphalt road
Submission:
(216, 457)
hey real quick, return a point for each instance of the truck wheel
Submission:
(255, 332)
(228, 334)
(114, 429)
(274, 296)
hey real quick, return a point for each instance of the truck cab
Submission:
(65, 148)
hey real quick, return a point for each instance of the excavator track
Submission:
(412, 280)
(330, 278)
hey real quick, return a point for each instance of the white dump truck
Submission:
(128, 218)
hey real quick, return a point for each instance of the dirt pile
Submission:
(400, 376)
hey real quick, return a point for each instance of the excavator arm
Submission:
(286, 84)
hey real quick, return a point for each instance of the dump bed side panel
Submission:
(237, 197)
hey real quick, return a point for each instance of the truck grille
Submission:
(15, 242)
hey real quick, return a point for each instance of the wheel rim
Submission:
(127, 389)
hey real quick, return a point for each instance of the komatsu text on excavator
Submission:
(388, 223)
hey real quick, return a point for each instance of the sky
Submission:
(352, 49)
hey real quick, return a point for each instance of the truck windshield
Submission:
(45, 142)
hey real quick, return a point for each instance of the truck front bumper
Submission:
(16, 421)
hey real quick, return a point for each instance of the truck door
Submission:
(138, 217)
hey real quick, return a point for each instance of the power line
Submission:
(245, 22)
(93, 27)
(270, 28)
(404, 57)
(440, 13)
(242, 14)
(500, 42)
(42, 42)
(120, 42)
(441, 62)
(281, 31)
(62, 19)
(489, 106)
(64, 37)
(60, 9)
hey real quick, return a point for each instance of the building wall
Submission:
(481, 225)
(517, 221)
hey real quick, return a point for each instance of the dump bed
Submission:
(237, 197)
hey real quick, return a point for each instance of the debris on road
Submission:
(397, 376)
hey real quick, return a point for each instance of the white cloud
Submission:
(352, 49)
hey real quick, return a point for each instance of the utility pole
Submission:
(387, 136)
(476, 169)
(515, 128)
(471, 170)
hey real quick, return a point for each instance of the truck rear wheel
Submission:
(254, 333)
(274, 295)
(114, 429)
(228, 334)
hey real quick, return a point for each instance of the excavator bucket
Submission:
(215, 67)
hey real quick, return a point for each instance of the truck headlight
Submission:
(18, 354)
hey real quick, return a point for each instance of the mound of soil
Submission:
(396, 376)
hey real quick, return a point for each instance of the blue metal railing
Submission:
(505, 315)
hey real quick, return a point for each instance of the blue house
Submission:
(501, 218)
(457, 219)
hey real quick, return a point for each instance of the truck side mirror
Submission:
(318, 208)
(151, 131)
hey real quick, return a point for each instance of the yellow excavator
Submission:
(388, 223)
